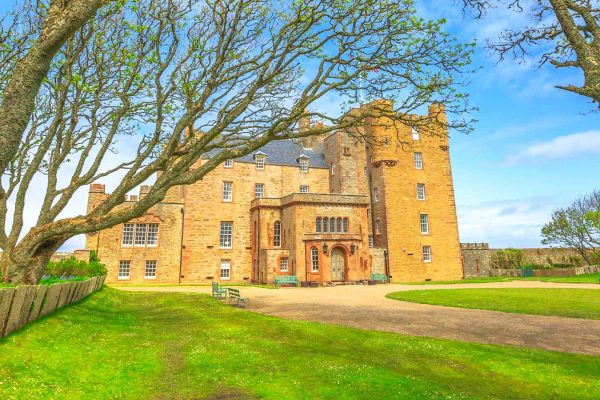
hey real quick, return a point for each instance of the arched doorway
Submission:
(338, 264)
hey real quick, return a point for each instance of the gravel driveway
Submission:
(366, 307)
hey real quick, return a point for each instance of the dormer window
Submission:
(303, 161)
(259, 159)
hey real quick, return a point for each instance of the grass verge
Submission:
(574, 303)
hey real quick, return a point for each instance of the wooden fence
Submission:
(23, 304)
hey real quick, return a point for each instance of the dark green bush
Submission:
(508, 259)
(72, 267)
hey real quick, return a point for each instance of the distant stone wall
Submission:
(24, 304)
(477, 257)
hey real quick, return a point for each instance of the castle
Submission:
(323, 209)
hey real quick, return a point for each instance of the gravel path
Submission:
(367, 307)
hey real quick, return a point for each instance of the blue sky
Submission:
(535, 147)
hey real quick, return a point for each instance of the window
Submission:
(124, 269)
(303, 188)
(150, 270)
(419, 160)
(420, 191)
(332, 169)
(424, 223)
(371, 243)
(377, 230)
(346, 151)
(325, 224)
(228, 164)
(227, 191)
(415, 134)
(332, 225)
(259, 190)
(427, 254)
(127, 235)
(152, 235)
(260, 162)
(225, 270)
(304, 164)
(319, 220)
(339, 224)
(376, 194)
(345, 225)
(283, 264)
(140, 234)
(226, 236)
(314, 256)
(277, 234)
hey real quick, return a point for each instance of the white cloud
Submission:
(560, 147)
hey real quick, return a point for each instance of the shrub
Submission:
(72, 267)
(508, 259)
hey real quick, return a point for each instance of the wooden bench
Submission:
(218, 292)
(379, 278)
(286, 280)
(235, 298)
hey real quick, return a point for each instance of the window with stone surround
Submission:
(127, 235)
(332, 225)
(346, 223)
(259, 190)
(303, 164)
(416, 135)
(140, 234)
(339, 224)
(418, 160)
(150, 269)
(424, 223)
(227, 191)
(420, 191)
(226, 235)
(377, 229)
(346, 151)
(124, 269)
(225, 273)
(314, 254)
(303, 188)
(426, 254)
(283, 264)
(325, 224)
(228, 164)
(319, 221)
(260, 162)
(152, 239)
(277, 234)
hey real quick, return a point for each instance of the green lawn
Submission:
(575, 303)
(585, 278)
(125, 345)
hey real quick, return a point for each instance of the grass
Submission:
(585, 278)
(575, 303)
(127, 345)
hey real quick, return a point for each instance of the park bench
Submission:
(380, 278)
(218, 292)
(286, 280)
(235, 298)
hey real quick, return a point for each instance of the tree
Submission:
(575, 227)
(564, 33)
(214, 79)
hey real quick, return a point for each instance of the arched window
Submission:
(345, 225)
(314, 258)
(319, 220)
(325, 224)
(277, 234)
(332, 224)
(339, 225)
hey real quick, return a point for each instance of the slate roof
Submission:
(286, 152)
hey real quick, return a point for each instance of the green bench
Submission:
(235, 298)
(218, 292)
(379, 278)
(286, 280)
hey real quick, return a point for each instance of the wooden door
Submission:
(338, 264)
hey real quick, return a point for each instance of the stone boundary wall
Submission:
(588, 269)
(23, 304)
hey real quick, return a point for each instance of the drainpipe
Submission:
(181, 247)
(258, 246)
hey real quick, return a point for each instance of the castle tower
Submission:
(413, 206)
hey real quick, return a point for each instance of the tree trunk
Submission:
(24, 266)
